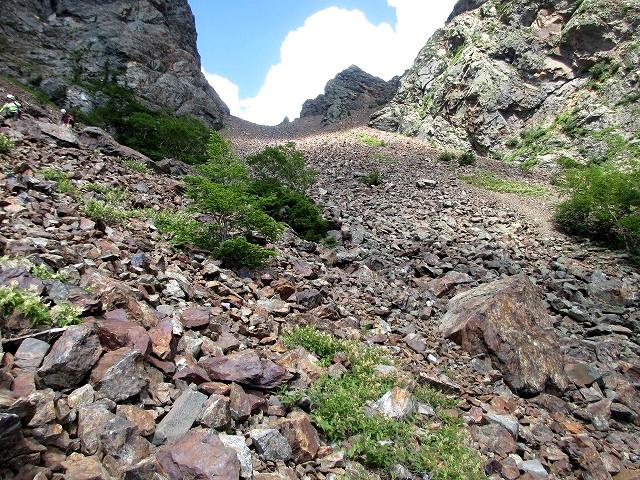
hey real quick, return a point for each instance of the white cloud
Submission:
(328, 42)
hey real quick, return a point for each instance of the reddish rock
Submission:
(507, 321)
(246, 368)
(196, 318)
(443, 285)
(214, 388)
(301, 435)
(163, 343)
(144, 420)
(192, 374)
(199, 455)
(79, 467)
(243, 404)
(116, 334)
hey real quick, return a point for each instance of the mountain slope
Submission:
(531, 82)
(76, 50)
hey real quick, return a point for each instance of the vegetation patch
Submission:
(134, 165)
(373, 178)
(603, 204)
(601, 72)
(63, 182)
(446, 156)
(371, 140)
(30, 304)
(490, 181)
(39, 270)
(6, 144)
(431, 447)
(466, 159)
(109, 211)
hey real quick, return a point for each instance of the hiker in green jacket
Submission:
(11, 109)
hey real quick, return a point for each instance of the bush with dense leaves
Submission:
(238, 251)
(6, 144)
(603, 204)
(283, 164)
(466, 159)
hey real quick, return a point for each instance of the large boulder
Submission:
(71, 357)
(200, 455)
(507, 321)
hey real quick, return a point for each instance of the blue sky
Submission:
(266, 57)
(240, 39)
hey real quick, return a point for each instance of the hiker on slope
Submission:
(67, 119)
(11, 109)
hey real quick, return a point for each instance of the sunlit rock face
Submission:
(75, 51)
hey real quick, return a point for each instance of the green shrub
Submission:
(134, 165)
(371, 141)
(446, 156)
(603, 204)
(339, 410)
(163, 135)
(183, 229)
(108, 211)
(372, 179)
(237, 252)
(40, 271)
(601, 72)
(29, 304)
(63, 182)
(284, 164)
(467, 158)
(6, 144)
(291, 207)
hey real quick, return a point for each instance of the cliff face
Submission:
(67, 47)
(352, 89)
(532, 82)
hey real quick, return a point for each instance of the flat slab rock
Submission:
(507, 321)
(180, 418)
(246, 368)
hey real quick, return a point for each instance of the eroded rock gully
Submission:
(173, 346)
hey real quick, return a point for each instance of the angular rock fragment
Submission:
(246, 368)
(71, 357)
(397, 403)
(180, 418)
(30, 354)
(301, 435)
(119, 374)
(270, 444)
(198, 455)
(215, 412)
(507, 320)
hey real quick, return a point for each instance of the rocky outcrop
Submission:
(351, 90)
(76, 50)
(530, 82)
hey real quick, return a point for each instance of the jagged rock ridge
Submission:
(68, 47)
(351, 90)
(565, 71)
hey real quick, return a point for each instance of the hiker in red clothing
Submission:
(67, 119)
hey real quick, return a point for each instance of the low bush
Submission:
(603, 204)
(108, 211)
(134, 165)
(339, 410)
(63, 182)
(6, 144)
(237, 252)
(39, 270)
(183, 229)
(467, 158)
(30, 304)
(372, 179)
(291, 207)
(446, 156)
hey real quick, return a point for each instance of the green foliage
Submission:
(157, 134)
(446, 156)
(237, 252)
(373, 178)
(568, 162)
(108, 211)
(40, 270)
(63, 182)
(291, 207)
(467, 158)
(284, 164)
(134, 165)
(371, 140)
(29, 304)
(569, 124)
(339, 411)
(617, 148)
(163, 135)
(601, 72)
(6, 144)
(490, 181)
(183, 229)
(603, 204)
(381, 157)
